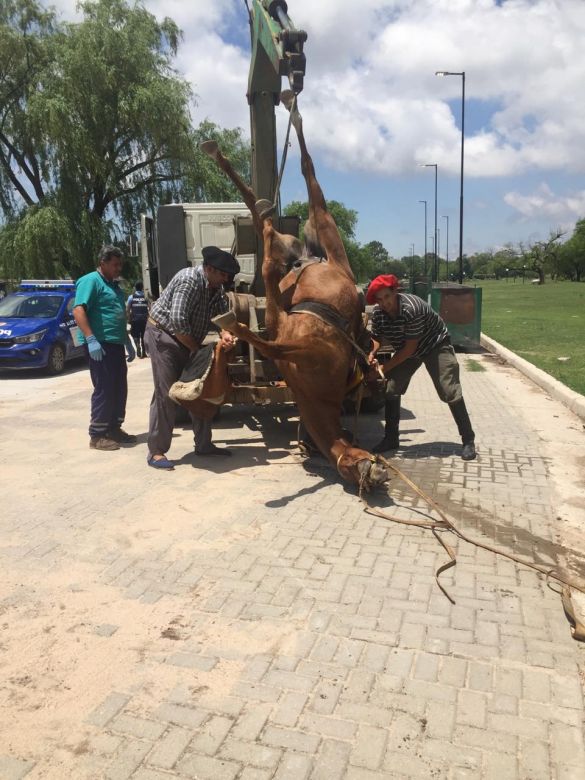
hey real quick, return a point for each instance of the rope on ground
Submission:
(444, 524)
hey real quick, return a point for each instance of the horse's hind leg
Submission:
(212, 150)
(272, 274)
(319, 216)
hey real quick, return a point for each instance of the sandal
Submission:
(161, 463)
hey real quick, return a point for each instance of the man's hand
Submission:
(375, 370)
(227, 340)
(96, 351)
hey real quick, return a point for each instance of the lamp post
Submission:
(462, 74)
(424, 201)
(435, 267)
(412, 266)
(447, 250)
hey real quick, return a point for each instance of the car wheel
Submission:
(56, 362)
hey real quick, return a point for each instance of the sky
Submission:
(375, 113)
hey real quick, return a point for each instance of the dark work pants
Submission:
(137, 332)
(167, 360)
(109, 377)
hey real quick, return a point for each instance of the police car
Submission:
(37, 329)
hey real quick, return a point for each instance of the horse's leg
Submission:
(212, 150)
(319, 216)
(272, 274)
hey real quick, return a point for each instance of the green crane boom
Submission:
(277, 51)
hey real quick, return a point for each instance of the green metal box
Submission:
(460, 308)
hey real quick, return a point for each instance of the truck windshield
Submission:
(38, 306)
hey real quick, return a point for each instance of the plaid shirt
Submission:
(188, 303)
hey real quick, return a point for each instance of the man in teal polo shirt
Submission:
(100, 313)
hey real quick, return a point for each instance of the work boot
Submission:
(391, 440)
(119, 435)
(103, 443)
(461, 417)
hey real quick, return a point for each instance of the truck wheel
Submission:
(56, 362)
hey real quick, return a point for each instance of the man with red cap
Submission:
(417, 335)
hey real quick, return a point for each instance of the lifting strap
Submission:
(444, 524)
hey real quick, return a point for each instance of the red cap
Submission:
(377, 284)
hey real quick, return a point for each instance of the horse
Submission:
(313, 315)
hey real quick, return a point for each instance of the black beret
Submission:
(223, 261)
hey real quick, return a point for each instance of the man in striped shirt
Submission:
(417, 335)
(177, 324)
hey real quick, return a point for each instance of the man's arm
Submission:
(188, 341)
(80, 317)
(405, 352)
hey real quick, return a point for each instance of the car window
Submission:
(70, 305)
(36, 306)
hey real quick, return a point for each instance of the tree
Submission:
(571, 256)
(94, 129)
(26, 35)
(504, 258)
(203, 180)
(346, 221)
(541, 255)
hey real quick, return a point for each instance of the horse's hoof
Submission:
(210, 148)
(225, 321)
(265, 208)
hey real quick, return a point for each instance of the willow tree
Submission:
(95, 127)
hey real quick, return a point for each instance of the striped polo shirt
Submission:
(415, 320)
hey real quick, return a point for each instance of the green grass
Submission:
(473, 365)
(540, 324)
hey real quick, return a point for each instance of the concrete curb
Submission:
(574, 401)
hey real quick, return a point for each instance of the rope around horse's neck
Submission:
(444, 524)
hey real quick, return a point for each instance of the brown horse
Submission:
(313, 314)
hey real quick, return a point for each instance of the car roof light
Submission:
(47, 284)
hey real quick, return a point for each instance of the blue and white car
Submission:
(37, 328)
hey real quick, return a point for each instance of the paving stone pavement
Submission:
(248, 620)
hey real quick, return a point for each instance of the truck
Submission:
(174, 239)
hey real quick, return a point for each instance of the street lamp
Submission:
(462, 74)
(447, 252)
(412, 267)
(436, 167)
(424, 201)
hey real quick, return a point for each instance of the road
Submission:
(247, 619)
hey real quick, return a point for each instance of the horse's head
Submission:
(362, 468)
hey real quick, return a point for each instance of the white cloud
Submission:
(544, 204)
(370, 72)
(373, 106)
